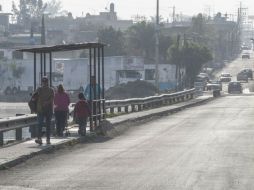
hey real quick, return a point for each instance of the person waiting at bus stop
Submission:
(61, 109)
(92, 92)
(81, 113)
(44, 109)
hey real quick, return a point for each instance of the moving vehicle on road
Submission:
(235, 87)
(201, 82)
(245, 47)
(245, 56)
(225, 77)
(214, 85)
(248, 72)
(205, 76)
(242, 77)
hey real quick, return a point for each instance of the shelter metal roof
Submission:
(64, 47)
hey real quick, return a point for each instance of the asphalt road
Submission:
(204, 147)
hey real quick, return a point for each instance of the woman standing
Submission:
(61, 104)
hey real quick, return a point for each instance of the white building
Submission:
(74, 72)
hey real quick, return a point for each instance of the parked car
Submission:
(225, 77)
(242, 77)
(214, 85)
(235, 87)
(248, 72)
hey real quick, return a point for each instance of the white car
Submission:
(205, 75)
(214, 85)
(225, 77)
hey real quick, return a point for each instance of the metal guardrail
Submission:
(112, 106)
(17, 124)
(139, 104)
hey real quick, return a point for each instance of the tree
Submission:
(53, 7)
(165, 42)
(141, 40)
(192, 57)
(200, 31)
(217, 35)
(198, 24)
(114, 39)
(28, 10)
(174, 55)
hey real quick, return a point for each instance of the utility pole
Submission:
(173, 15)
(43, 32)
(177, 63)
(157, 46)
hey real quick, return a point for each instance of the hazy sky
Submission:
(127, 8)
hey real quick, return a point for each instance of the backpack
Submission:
(32, 103)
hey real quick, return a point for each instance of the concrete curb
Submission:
(45, 149)
(114, 129)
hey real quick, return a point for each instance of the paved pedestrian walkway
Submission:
(16, 153)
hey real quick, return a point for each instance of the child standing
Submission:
(81, 113)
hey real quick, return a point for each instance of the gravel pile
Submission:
(135, 89)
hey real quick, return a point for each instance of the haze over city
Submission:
(128, 9)
(109, 94)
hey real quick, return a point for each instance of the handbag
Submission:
(32, 103)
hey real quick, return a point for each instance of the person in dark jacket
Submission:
(44, 109)
(81, 113)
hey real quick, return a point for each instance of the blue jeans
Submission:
(82, 125)
(41, 117)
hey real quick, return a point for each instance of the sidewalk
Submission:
(14, 154)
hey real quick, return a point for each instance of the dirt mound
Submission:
(135, 89)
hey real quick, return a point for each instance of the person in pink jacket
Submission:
(61, 109)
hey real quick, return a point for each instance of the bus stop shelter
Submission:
(42, 64)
